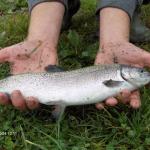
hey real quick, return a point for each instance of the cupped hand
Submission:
(123, 53)
(27, 56)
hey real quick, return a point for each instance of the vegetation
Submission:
(84, 127)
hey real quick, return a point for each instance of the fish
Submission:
(82, 86)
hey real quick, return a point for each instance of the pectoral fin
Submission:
(112, 83)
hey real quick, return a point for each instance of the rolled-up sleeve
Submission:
(128, 6)
(33, 3)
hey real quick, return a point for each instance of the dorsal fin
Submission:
(53, 68)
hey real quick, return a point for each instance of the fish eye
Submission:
(142, 70)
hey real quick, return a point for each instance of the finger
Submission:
(111, 101)
(18, 100)
(100, 106)
(125, 93)
(32, 103)
(124, 96)
(135, 101)
(4, 100)
(4, 55)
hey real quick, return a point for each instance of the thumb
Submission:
(4, 55)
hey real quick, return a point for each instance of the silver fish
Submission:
(82, 86)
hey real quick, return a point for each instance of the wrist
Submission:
(112, 44)
(42, 38)
(114, 26)
(45, 23)
(44, 45)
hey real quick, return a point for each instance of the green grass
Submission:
(84, 127)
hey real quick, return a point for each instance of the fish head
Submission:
(135, 75)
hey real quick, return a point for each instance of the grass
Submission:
(84, 127)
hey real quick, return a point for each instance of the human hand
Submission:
(123, 53)
(27, 56)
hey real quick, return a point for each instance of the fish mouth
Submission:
(146, 74)
(143, 72)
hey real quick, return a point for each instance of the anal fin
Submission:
(58, 112)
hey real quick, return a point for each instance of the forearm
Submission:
(114, 26)
(46, 21)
